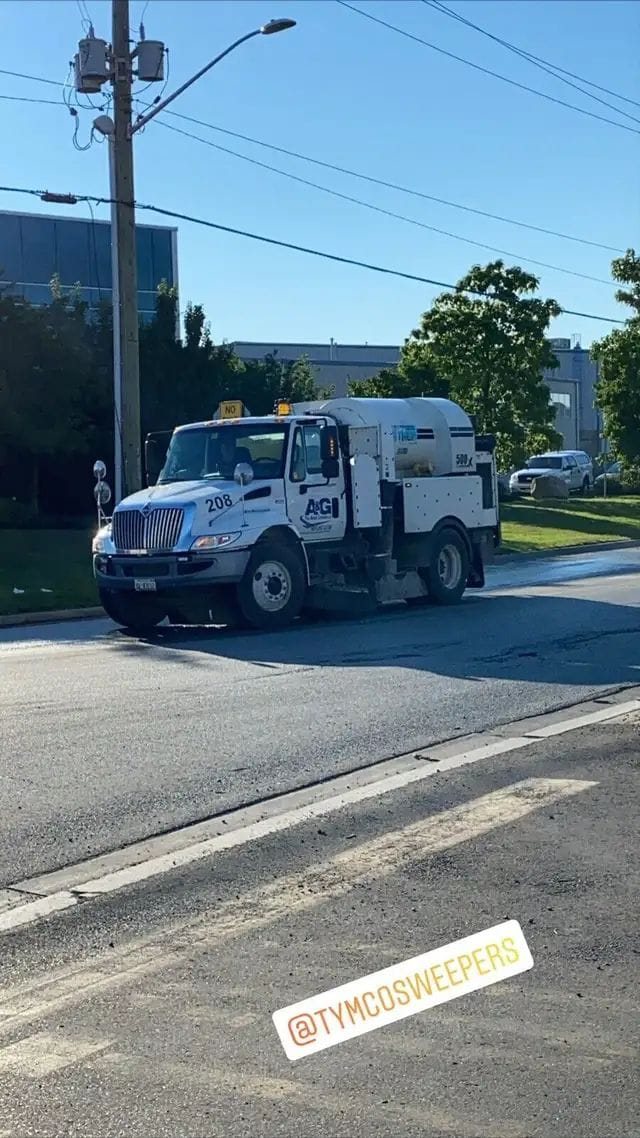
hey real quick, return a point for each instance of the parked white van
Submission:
(574, 466)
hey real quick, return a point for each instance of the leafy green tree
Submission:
(618, 355)
(486, 352)
(490, 350)
(181, 381)
(261, 383)
(414, 374)
(56, 383)
(45, 369)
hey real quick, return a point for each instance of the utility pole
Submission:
(95, 64)
(126, 363)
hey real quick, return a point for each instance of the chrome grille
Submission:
(158, 531)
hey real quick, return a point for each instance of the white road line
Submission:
(163, 864)
(307, 889)
(587, 720)
(150, 858)
(34, 910)
(44, 1054)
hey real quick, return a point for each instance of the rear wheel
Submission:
(137, 613)
(272, 591)
(448, 569)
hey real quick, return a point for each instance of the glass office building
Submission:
(36, 247)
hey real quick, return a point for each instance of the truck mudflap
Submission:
(476, 578)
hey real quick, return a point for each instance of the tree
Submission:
(618, 354)
(45, 366)
(261, 383)
(56, 387)
(183, 381)
(489, 352)
(413, 375)
(486, 352)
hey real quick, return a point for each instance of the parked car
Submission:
(573, 466)
(611, 473)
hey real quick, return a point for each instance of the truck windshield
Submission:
(545, 461)
(214, 452)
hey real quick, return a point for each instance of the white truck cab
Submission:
(340, 504)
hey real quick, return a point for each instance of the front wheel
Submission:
(586, 486)
(137, 613)
(271, 593)
(448, 569)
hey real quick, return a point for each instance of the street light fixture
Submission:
(276, 26)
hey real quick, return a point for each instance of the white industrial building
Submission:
(572, 383)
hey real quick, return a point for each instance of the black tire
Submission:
(137, 613)
(448, 569)
(272, 592)
(586, 486)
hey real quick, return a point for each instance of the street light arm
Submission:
(144, 119)
(265, 30)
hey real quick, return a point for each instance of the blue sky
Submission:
(345, 90)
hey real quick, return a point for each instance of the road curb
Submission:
(563, 551)
(15, 620)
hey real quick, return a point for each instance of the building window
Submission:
(10, 250)
(162, 257)
(38, 250)
(562, 398)
(72, 255)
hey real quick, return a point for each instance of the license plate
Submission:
(144, 585)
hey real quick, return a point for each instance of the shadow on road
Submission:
(533, 639)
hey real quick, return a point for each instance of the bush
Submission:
(21, 515)
(630, 480)
(16, 515)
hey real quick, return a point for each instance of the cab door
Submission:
(315, 485)
(573, 469)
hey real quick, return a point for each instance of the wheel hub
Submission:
(271, 586)
(449, 566)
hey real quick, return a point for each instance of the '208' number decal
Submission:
(219, 502)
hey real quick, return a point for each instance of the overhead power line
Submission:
(25, 99)
(537, 61)
(96, 200)
(486, 70)
(380, 209)
(392, 185)
(356, 174)
(31, 78)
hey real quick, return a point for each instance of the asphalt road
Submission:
(106, 739)
(148, 1014)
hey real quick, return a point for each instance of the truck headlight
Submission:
(102, 540)
(215, 540)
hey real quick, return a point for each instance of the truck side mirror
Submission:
(329, 452)
(155, 453)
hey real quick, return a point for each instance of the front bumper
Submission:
(171, 572)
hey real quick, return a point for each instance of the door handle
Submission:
(303, 489)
